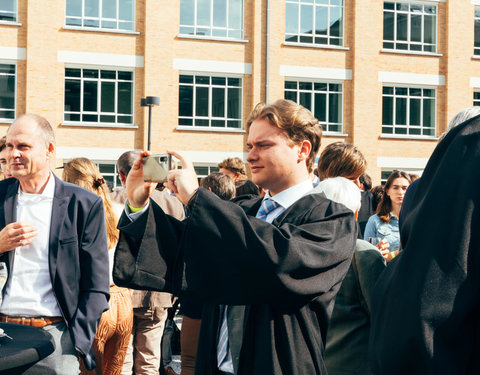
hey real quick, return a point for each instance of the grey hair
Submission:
(463, 116)
(342, 190)
(43, 125)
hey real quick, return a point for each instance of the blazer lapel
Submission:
(10, 214)
(59, 209)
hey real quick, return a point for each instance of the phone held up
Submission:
(156, 167)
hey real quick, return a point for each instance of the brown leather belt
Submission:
(39, 321)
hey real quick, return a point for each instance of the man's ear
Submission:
(304, 150)
(123, 178)
(50, 149)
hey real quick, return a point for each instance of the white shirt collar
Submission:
(47, 193)
(289, 196)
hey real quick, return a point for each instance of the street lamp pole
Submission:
(149, 102)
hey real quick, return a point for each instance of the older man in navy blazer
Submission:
(53, 240)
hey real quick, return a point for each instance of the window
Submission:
(212, 18)
(476, 48)
(409, 111)
(101, 14)
(98, 96)
(410, 26)
(210, 101)
(7, 91)
(110, 173)
(314, 22)
(323, 99)
(205, 170)
(8, 10)
(476, 98)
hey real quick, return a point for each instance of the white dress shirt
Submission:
(29, 291)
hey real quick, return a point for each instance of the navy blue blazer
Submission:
(78, 257)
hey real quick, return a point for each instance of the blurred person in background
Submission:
(3, 158)
(115, 327)
(382, 228)
(233, 167)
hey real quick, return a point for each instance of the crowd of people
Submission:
(299, 269)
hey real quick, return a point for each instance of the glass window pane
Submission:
(218, 102)
(320, 110)
(72, 95)
(125, 119)
(89, 73)
(109, 24)
(234, 82)
(107, 118)
(90, 118)
(401, 91)
(108, 74)
(234, 103)
(388, 90)
(334, 108)
(429, 30)
(202, 80)
(7, 92)
(203, 12)
(7, 69)
(320, 86)
(429, 113)
(90, 91)
(336, 22)
(185, 105)
(305, 85)
(124, 102)
(402, 26)
(291, 85)
(387, 110)
(125, 76)
(291, 95)
(235, 16)
(416, 28)
(91, 8)
(107, 103)
(220, 13)
(306, 100)
(201, 101)
(234, 124)
(200, 122)
(477, 33)
(187, 9)
(109, 8)
(306, 19)
(415, 111)
(186, 79)
(74, 8)
(401, 111)
(415, 92)
(219, 81)
(335, 87)
(321, 20)
(126, 11)
(291, 19)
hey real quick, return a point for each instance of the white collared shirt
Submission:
(29, 291)
(287, 197)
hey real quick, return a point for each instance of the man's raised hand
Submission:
(138, 191)
(183, 182)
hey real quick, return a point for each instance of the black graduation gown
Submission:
(426, 306)
(283, 276)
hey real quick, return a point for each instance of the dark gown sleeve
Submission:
(223, 255)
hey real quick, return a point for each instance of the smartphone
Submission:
(156, 167)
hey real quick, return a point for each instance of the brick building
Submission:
(384, 75)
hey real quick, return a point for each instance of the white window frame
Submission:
(313, 35)
(211, 27)
(409, 37)
(99, 97)
(115, 175)
(325, 124)
(14, 13)
(408, 126)
(4, 119)
(82, 18)
(211, 168)
(476, 101)
(209, 117)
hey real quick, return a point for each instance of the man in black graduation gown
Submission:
(273, 265)
(426, 304)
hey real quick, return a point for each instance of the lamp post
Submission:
(149, 102)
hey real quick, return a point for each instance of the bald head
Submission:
(43, 126)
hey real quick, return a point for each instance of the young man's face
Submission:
(274, 163)
(3, 163)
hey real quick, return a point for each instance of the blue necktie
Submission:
(267, 206)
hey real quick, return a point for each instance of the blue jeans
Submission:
(64, 360)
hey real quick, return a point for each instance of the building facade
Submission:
(383, 75)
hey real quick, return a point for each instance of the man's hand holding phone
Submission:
(183, 182)
(138, 191)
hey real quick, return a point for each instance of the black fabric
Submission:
(425, 310)
(282, 276)
(27, 346)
